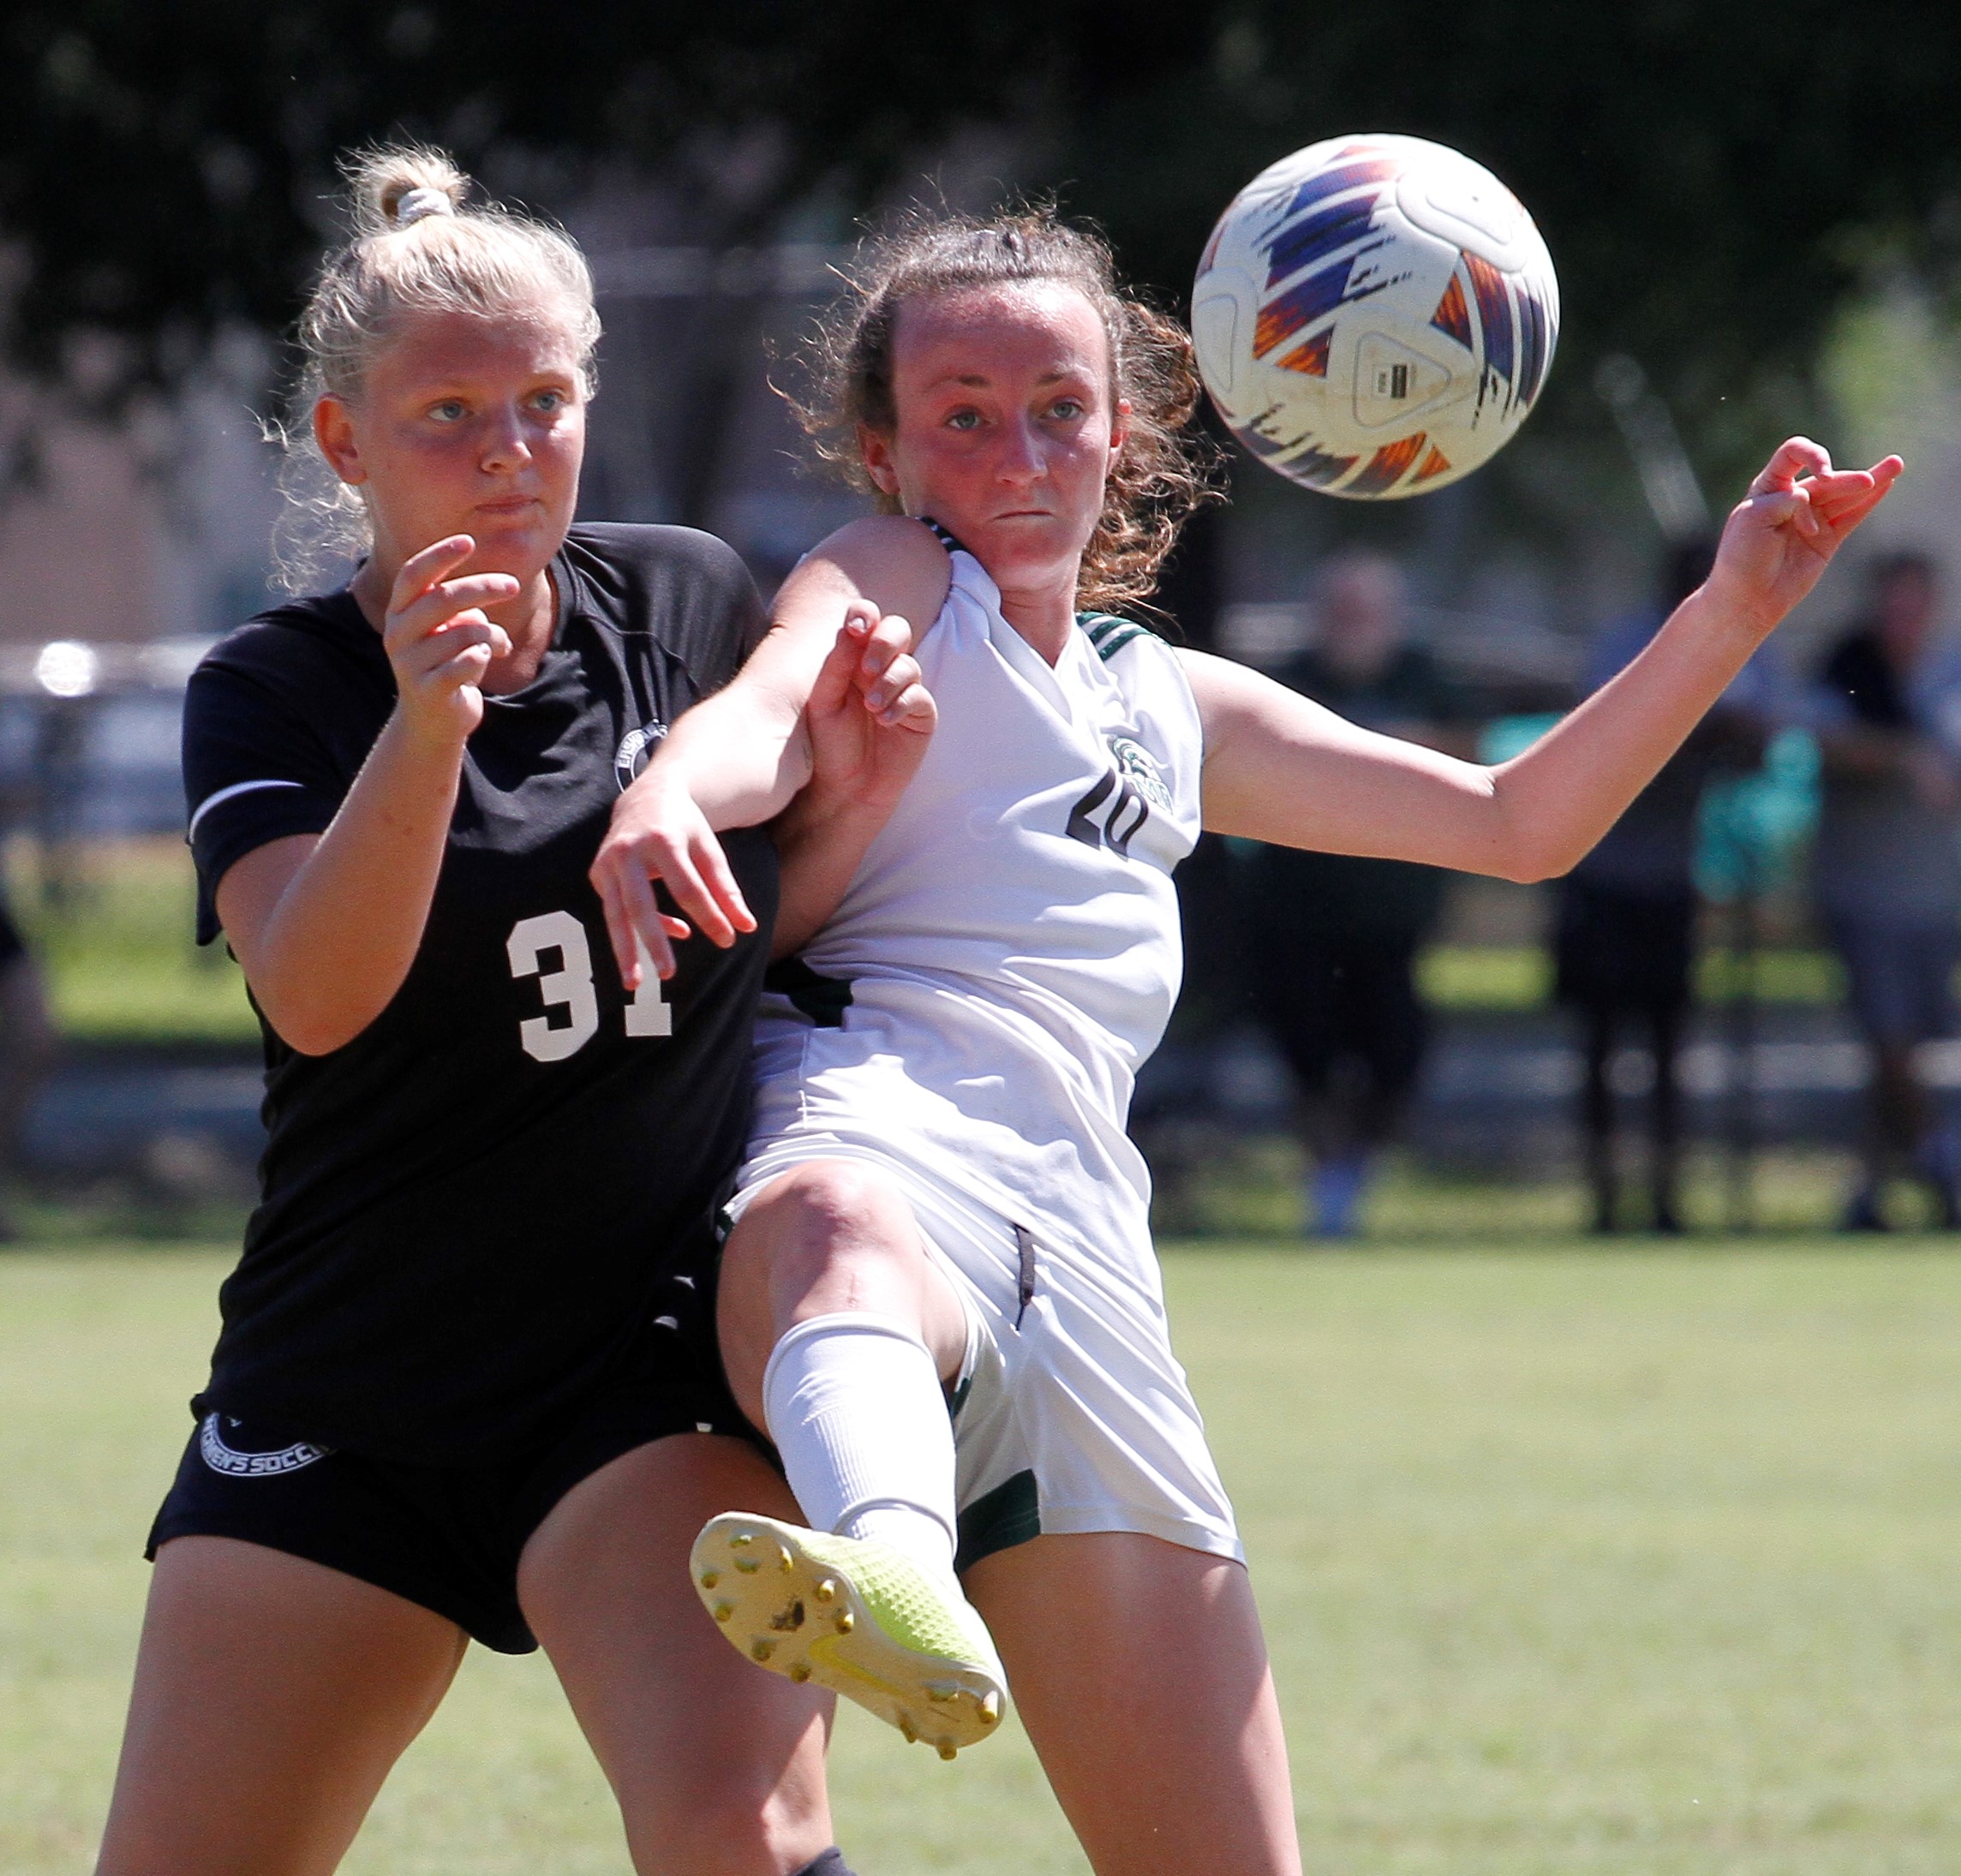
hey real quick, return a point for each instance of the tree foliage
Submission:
(1714, 178)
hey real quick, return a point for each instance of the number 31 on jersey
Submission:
(569, 990)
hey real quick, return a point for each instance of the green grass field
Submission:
(1630, 1562)
(122, 967)
(120, 964)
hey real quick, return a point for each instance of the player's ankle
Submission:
(914, 1533)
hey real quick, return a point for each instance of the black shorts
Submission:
(1616, 951)
(1353, 997)
(446, 1537)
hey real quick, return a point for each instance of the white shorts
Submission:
(1071, 1413)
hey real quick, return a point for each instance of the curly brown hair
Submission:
(1165, 470)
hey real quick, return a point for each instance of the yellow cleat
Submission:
(905, 1645)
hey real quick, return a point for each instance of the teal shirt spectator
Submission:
(1651, 850)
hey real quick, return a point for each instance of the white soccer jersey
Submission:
(1011, 948)
(1011, 939)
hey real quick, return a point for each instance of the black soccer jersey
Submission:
(467, 1207)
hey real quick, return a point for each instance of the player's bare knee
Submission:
(834, 1217)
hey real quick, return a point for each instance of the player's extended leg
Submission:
(1142, 1677)
(718, 1770)
(831, 1238)
(838, 1333)
(272, 1695)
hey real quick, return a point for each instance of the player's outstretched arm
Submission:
(325, 927)
(741, 756)
(1282, 769)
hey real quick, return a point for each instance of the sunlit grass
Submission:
(1638, 1564)
(115, 946)
(121, 965)
(1520, 976)
(1226, 1187)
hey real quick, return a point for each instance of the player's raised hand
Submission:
(869, 716)
(439, 640)
(658, 832)
(1782, 535)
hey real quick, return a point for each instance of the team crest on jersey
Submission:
(634, 750)
(1140, 766)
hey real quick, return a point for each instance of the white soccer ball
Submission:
(1375, 315)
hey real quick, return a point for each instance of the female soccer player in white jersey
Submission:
(940, 1208)
(466, 1383)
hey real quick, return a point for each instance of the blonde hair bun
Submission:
(413, 249)
(399, 184)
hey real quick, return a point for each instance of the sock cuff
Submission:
(871, 1502)
(841, 1323)
(831, 1863)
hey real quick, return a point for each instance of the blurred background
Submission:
(1757, 231)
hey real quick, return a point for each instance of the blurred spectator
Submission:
(1332, 940)
(26, 1043)
(1624, 930)
(1888, 716)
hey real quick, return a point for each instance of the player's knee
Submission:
(833, 1214)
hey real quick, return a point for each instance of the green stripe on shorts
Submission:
(999, 1520)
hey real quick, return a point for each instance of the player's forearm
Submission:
(819, 849)
(1556, 800)
(337, 943)
(740, 755)
(1282, 769)
(743, 755)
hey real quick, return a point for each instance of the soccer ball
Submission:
(1375, 315)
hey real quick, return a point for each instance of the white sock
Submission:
(854, 1405)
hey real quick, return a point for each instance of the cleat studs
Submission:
(941, 1694)
(990, 1708)
(710, 1578)
(911, 1733)
(749, 1565)
(741, 1540)
(948, 1750)
(723, 1610)
(761, 1651)
(783, 1559)
(846, 1621)
(799, 1671)
(826, 1591)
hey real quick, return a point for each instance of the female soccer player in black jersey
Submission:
(466, 1383)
